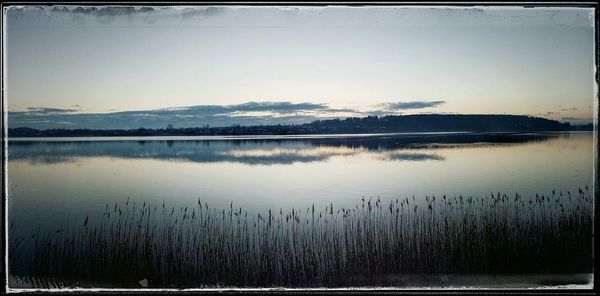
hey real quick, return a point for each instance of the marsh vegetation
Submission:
(317, 246)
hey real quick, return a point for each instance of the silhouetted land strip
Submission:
(371, 124)
(314, 247)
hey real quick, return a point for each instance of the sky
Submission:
(140, 66)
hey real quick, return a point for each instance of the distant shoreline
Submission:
(430, 123)
(267, 137)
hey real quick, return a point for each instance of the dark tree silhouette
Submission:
(370, 124)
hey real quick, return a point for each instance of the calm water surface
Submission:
(51, 181)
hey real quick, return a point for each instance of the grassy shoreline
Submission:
(330, 247)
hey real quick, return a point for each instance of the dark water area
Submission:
(77, 181)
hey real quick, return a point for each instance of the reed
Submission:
(327, 246)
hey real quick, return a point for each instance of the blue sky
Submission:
(142, 66)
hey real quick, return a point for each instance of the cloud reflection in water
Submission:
(260, 151)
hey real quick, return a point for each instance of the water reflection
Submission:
(263, 151)
(396, 155)
(50, 181)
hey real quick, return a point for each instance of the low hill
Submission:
(371, 124)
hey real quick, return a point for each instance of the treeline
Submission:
(370, 124)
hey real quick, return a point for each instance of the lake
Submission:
(52, 180)
(486, 184)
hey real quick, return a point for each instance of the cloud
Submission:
(279, 107)
(411, 105)
(548, 113)
(45, 110)
(276, 107)
(396, 108)
(250, 113)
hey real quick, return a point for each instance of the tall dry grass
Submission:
(326, 246)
